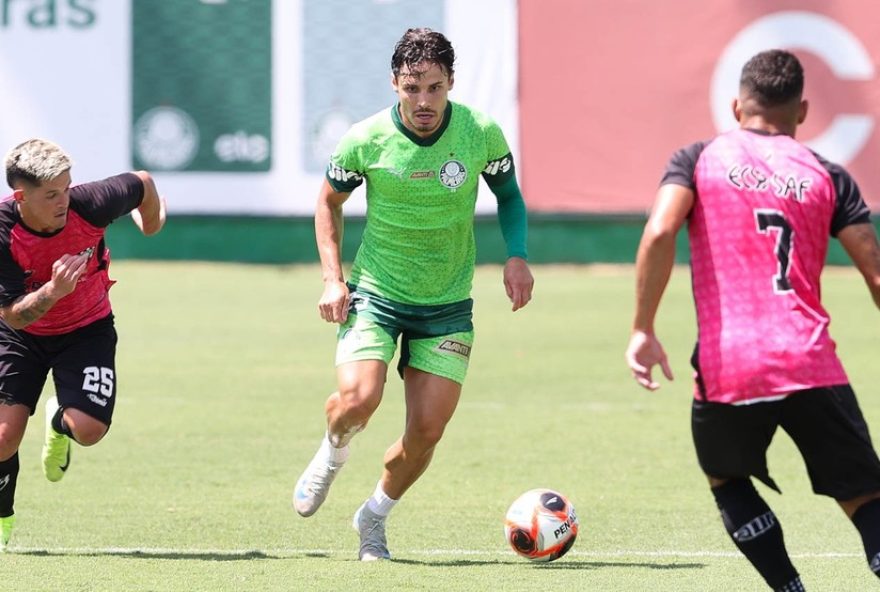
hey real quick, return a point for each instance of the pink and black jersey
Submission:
(765, 207)
(26, 256)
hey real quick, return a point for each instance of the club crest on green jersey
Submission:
(453, 174)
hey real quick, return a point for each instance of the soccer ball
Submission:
(541, 525)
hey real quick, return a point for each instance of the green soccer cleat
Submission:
(56, 447)
(6, 525)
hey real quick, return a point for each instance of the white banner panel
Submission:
(65, 69)
(68, 71)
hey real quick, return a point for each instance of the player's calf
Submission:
(867, 521)
(8, 477)
(757, 534)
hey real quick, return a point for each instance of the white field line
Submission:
(296, 552)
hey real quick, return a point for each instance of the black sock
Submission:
(867, 521)
(59, 425)
(8, 477)
(756, 533)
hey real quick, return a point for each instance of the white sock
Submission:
(337, 456)
(379, 503)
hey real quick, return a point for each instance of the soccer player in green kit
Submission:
(411, 278)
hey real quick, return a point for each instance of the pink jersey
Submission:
(26, 256)
(89, 301)
(765, 208)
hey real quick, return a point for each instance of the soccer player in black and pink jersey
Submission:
(55, 311)
(761, 208)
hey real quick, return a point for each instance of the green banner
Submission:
(202, 85)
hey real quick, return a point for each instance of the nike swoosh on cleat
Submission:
(66, 462)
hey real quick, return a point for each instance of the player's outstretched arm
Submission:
(29, 308)
(654, 263)
(333, 305)
(860, 242)
(149, 217)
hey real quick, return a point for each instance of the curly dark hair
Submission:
(422, 45)
(774, 77)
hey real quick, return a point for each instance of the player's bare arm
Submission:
(333, 305)
(150, 215)
(31, 307)
(860, 242)
(654, 263)
(518, 282)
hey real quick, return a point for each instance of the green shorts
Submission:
(434, 339)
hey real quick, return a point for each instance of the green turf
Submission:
(223, 371)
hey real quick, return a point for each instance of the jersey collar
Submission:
(762, 132)
(415, 138)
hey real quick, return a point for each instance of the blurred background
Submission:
(235, 105)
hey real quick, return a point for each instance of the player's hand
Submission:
(150, 222)
(66, 272)
(333, 305)
(518, 282)
(643, 353)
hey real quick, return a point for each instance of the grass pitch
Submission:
(223, 371)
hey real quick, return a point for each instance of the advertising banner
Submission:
(202, 85)
(609, 89)
(234, 105)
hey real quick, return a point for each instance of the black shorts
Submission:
(825, 424)
(83, 364)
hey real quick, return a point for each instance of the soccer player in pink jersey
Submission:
(55, 310)
(760, 208)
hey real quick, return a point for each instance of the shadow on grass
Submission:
(171, 555)
(560, 565)
(261, 555)
(626, 564)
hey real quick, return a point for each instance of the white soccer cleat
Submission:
(371, 528)
(314, 484)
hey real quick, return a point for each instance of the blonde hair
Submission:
(35, 161)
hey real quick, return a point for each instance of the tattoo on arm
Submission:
(32, 307)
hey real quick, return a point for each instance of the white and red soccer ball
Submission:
(541, 525)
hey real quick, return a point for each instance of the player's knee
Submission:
(7, 448)
(9, 442)
(358, 404)
(86, 430)
(90, 433)
(744, 513)
(424, 435)
(851, 506)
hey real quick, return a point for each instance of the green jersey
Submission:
(418, 244)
